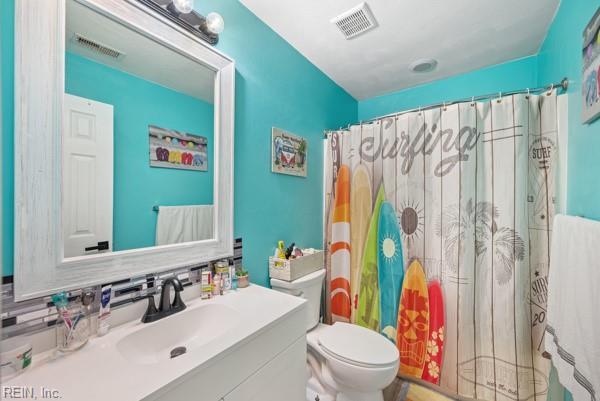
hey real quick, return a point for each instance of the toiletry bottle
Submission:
(289, 250)
(280, 252)
(104, 314)
(206, 284)
(217, 284)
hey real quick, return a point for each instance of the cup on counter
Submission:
(73, 328)
(15, 356)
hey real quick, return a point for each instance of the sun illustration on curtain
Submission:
(411, 221)
(390, 256)
(389, 245)
(478, 221)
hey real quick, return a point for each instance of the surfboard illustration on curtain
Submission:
(368, 295)
(390, 267)
(435, 342)
(361, 203)
(413, 321)
(340, 248)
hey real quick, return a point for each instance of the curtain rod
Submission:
(564, 85)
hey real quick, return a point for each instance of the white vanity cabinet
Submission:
(283, 378)
(270, 365)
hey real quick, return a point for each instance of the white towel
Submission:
(176, 224)
(573, 325)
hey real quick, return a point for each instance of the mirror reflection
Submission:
(138, 140)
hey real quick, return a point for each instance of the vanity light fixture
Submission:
(184, 6)
(182, 13)
(215, 23)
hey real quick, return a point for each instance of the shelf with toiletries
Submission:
(290, 263)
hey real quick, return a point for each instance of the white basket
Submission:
(292, 269)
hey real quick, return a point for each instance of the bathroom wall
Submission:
(516, 74)
(6, 55)
(137, 186)
(275, 86)
(560, 56)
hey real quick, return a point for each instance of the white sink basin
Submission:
(191, 328)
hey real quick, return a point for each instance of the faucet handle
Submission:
(177, 286)
(151, 311)
(177, 301)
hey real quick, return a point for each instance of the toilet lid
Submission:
(358, 345)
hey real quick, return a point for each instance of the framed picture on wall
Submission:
(288, 153)
(590, 88)
(175, 149)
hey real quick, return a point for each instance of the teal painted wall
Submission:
(7, 57)
(508, 76)
(137, 186)
(275, 86)
(560, 56)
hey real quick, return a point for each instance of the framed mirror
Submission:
(123, 145)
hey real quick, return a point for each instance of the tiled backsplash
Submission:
(35, 315)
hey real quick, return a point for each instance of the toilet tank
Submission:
(308, 287)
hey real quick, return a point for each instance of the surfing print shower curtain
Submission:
(438, 228)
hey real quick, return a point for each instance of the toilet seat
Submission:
(357, 346)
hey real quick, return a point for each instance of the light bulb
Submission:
(215, 23)
(184, 6)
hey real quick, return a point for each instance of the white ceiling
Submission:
(462, 35)
(143, 57)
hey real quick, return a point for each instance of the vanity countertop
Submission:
(100, 371)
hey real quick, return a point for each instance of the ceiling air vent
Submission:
(96, 47)
(355, 21)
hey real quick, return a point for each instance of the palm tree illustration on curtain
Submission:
(478, 220)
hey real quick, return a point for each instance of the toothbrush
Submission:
(61, 300)
(72, 329)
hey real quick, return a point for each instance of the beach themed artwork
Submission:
(176, 149)
(590, 88)
(288, 153)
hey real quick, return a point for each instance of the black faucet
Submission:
(165, 308)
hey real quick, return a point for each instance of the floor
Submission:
(401, 390)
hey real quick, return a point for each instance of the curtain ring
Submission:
(419, 110)
(550, 91)
(444, 106)
(499, 100)
(472, 101)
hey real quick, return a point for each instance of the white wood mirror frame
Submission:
(39, 266)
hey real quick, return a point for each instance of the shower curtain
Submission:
(473, 190)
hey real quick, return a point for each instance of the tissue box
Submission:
(292, 269)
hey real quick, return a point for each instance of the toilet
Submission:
(345, 362)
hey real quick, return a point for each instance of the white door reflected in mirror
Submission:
(87, 175)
